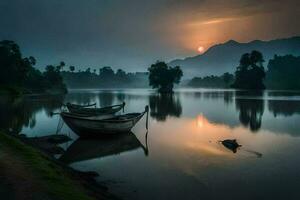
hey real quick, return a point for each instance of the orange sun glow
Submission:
(201, 49)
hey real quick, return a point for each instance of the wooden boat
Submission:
(97, 125)
(87, 110)
(77, 106)
(85, 149)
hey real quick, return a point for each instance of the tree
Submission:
(72, 68)
(88, 70)
(163, 77)
(14, 68)
(60, 66)
(227, 78)
(35, 81)
(19, 75)
(53, 78)
(120, 74)
(250, 73)
(106, 72)
(283, 72)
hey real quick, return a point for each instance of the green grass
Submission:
(52, 179)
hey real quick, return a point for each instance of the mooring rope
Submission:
(60, 123)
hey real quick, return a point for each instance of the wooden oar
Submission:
(123, 106)
(146, 141)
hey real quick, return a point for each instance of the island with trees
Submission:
(163, 77)
(250, 73)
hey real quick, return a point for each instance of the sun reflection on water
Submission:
(200, 121)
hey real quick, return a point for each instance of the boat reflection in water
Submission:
(85, 149)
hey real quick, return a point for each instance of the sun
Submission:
(201, 49)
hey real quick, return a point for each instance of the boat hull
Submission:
(87, 111)
(87, 127)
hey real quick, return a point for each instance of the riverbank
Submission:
(27, 173)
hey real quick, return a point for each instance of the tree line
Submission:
(223, 81)
(282, 73)
(18, 74)
(105, 77)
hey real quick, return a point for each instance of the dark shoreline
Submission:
(85, 179)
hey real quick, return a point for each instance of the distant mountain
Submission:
(225, 57)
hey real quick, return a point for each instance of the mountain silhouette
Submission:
(225, 57)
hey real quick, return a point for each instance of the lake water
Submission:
(181, 156)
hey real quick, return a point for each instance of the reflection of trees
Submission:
(81, 98)
(282, 107)
(121, 97)
(284, 93)
(228, 96)
(251, 109)
(208, 95)
(16, 113)
(106, 98)
(164, 105)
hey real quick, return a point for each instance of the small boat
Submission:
(97, 125)
(77, 106)
(86, 110)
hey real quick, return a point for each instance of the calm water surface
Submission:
(181, 155)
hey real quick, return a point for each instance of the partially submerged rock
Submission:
(231, 145)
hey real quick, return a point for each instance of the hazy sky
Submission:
(132, 34)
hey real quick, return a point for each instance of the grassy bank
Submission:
(12, 91)
(29, 174)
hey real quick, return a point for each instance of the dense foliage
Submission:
(14, 68)
(163, 77)
(283, 72)
(223, 81)
(106, 78)
(52, 78)
(18, 73)
(250, 73)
